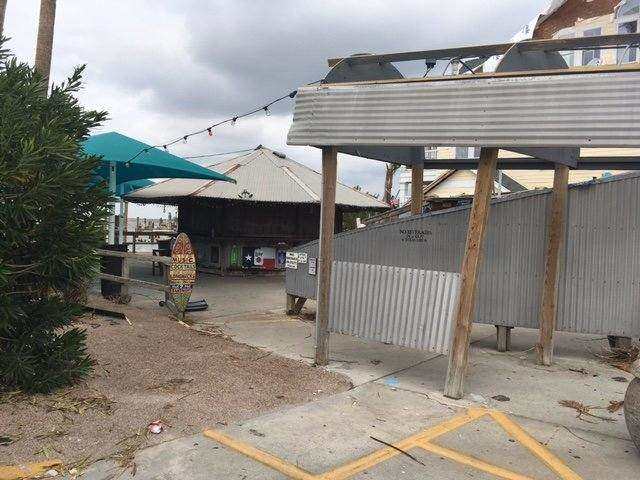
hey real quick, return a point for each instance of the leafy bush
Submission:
(52, 218)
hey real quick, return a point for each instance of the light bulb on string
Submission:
(233, 121)
(165, 148)
(210, 132)
(185, 138)
(266, 111)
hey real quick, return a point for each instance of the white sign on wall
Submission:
(313, 262)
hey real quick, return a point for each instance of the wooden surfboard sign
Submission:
(182, 272)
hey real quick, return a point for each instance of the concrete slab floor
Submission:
(321, 436)
(398, 393)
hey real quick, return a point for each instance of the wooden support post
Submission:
(504, 338)
(325, 260)
(294, 304)
(417, 180)
(291, 302)
(463, 318)
(124, 288)
(555, 235)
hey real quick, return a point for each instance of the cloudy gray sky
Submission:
(165, 67)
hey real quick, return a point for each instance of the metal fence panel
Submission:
(600, 268)
(408, 307)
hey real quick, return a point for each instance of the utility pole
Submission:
(44, 46)
(3, 9)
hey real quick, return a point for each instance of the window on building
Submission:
(588, 56)
(626, 55)
(630, 7)
(431, 153)
(627, 16)
(467, 152)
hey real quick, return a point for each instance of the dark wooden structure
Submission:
(249, 226)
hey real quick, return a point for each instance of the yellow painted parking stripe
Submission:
(526, 440)
(368, 461)
(473, 462)
(27, 471)
(265, 458)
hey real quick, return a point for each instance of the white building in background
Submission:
(404, 177)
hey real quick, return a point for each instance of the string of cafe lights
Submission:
(209, 129)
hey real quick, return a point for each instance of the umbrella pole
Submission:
(122, 222)
(111, 239)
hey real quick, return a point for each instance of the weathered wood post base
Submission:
(417, 191)
(624, 343)
(463, 317)
(504, 338)
(555, 236)
(294, 304)
(325, 260)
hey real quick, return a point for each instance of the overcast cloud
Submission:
(165, 67)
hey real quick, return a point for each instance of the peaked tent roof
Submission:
(262, 176)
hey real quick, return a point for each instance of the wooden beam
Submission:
(325, 260)
(465, 308)
(134, 282)
(417, 195)
(548, 45)
(124, 289)
(555, 236)
(135, 257)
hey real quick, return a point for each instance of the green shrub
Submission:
(51, 222)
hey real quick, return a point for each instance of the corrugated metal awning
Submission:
(521, 110)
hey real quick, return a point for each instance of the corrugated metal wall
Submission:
(403, 306)
(599, 277)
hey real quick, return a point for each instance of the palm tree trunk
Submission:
(3, 9)
(44, 46)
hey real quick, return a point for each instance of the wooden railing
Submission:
(126, 280)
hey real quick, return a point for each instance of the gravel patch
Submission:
(155, 369)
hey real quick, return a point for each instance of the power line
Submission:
(207, 155)
(209, 129)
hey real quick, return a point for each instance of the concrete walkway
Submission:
(396, 394)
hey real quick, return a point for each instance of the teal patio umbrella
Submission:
(125, 188)
(123, 153)
(125, 159)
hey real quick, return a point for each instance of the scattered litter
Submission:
(51, 473)
(376, 362)
(4, 441)
(77, 404)
(255, 432)
(583, 409)
(579, 370)
(156, 427)
(392, 382)
(399, 450)
(620, 379)
(501, 398)
(620, 357)
(615, 405)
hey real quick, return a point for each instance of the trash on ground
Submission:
(156, 427)
(392, 382)
(583, 409)
(501, 398)
(615, 405)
